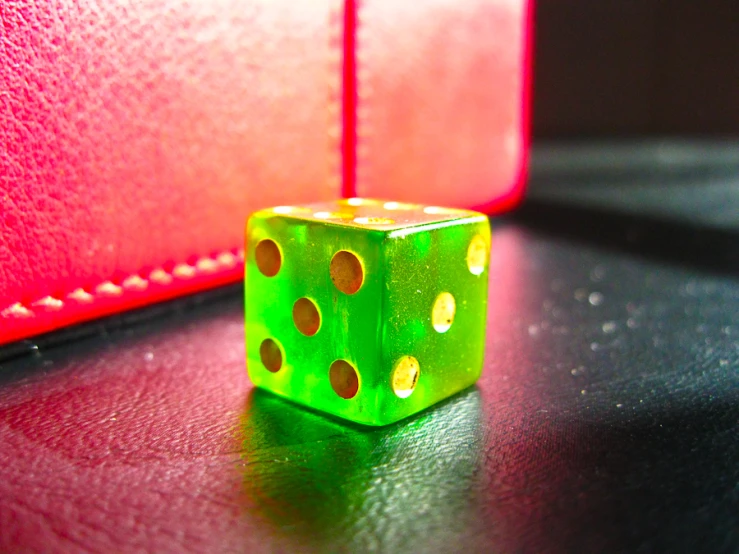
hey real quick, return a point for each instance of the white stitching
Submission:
(133, 283)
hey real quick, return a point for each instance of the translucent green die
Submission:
(367, 310)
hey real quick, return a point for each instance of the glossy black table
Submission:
(607, 419)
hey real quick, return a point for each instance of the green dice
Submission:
(368, 310)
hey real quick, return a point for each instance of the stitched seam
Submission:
(205, 265)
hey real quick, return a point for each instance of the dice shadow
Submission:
(313, 475)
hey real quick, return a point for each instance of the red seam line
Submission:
(349, 102)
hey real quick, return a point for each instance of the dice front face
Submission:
(306, 339)
(366, 310)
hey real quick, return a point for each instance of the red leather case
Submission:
(136, 138)
(442, 101)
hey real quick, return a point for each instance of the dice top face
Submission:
(367, 310)
(367, 213)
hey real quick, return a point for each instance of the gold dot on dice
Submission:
(333, 215)
(290, 210)
(400, 206)
(268, 257)
(477, 255)
(346, 272)
(442, 314)
(344, 379)
(271, 356)
(405, 376)
(306, 317)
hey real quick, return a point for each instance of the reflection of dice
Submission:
(366, 310)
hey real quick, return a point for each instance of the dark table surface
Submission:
(607, 419)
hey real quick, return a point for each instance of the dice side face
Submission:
(434, 313)
(306, 340)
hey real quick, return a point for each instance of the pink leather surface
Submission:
(441, 101)
(137, 137)
(130, 448)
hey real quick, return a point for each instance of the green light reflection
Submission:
(322, 481)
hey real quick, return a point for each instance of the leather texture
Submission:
(137, 137)
(442, 101)
(605, 421)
